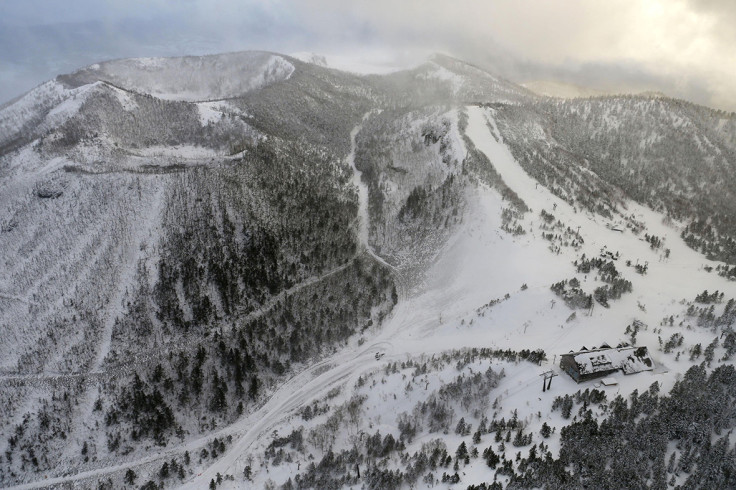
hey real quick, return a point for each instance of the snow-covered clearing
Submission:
(209, 112)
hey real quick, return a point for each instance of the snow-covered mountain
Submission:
(255, 270)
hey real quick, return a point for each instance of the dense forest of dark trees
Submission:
(225, 261)
(575, 297)
(649, 440)
(630, 448)
(660, 152)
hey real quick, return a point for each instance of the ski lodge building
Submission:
(588, 364)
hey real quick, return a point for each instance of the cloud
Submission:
(683, 48)
(723, 14)
(680, 47)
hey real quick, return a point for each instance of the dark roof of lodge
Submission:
(629, 359)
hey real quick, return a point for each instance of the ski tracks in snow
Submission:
(145, 234)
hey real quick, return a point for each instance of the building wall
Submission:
(599, 374)
(568, 365)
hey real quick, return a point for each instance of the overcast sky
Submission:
(684, 48)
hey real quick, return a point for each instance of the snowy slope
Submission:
(130, 191)
(446, 311)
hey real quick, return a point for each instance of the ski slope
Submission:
(481, 263)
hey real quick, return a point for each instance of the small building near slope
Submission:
(588, 364)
